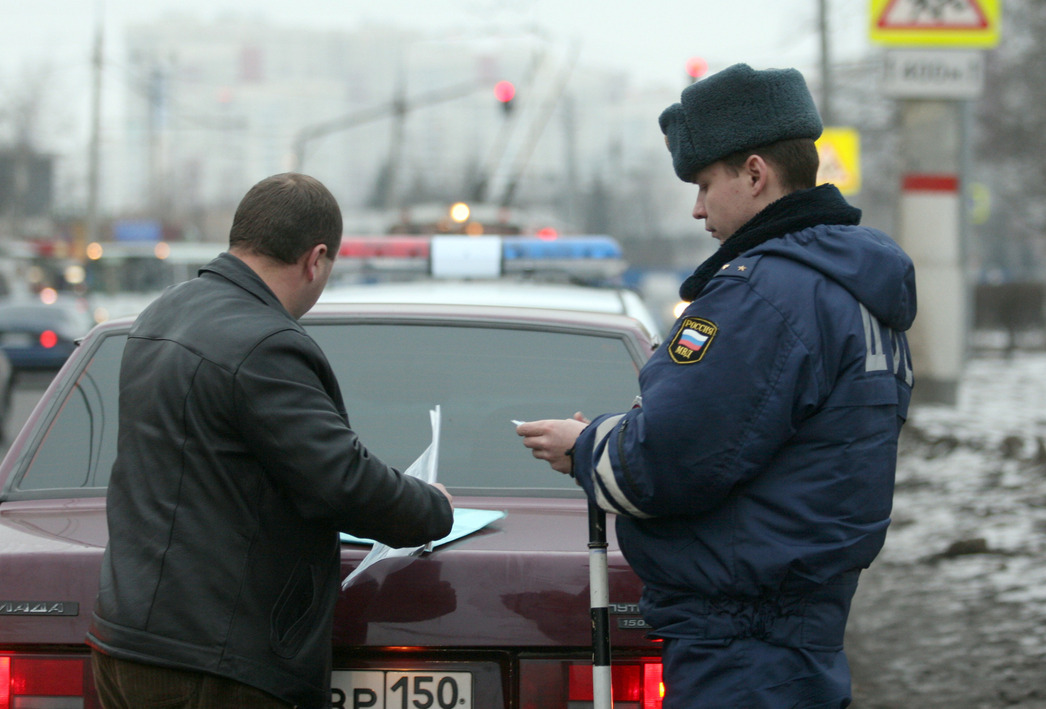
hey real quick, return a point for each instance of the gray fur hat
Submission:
(736, 109)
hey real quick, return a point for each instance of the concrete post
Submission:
(930, 230)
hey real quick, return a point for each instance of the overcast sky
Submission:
(651, 39)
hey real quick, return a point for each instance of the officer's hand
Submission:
(551, 439)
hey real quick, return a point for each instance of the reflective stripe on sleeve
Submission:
(606, 483)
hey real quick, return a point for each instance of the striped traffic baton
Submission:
(599, 590)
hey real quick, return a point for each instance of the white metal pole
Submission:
(598, 581)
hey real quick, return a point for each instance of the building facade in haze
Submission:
(385, 117)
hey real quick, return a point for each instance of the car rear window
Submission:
(482, 378)
(391, 375)
(78, 447)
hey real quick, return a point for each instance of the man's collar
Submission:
(237, 271)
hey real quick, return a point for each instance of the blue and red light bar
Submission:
(583, 256)
(394, 247)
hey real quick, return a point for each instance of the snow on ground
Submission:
(953, 612)
(976, 470)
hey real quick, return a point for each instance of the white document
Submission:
(424, 468)
(467, 520)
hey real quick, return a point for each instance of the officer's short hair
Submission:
(795, 161)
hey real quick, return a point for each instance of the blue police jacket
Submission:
(756, 478)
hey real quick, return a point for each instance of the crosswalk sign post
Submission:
(926, 68)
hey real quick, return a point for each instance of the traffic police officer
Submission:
(756, 479)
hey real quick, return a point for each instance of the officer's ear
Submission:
(757, 174)
(763, 180)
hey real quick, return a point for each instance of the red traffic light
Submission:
(696, 67)
(504, 91)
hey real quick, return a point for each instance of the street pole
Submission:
(826, 64)
(93, 161)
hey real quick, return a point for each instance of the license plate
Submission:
(393, 689)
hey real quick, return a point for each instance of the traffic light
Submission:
(505, 91)
(696, 67)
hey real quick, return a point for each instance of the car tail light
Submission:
(48, 339)
(553, 684)
(41, 683)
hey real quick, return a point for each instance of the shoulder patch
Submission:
(692, 340)
(740, 267)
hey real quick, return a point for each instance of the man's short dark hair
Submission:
(284, 216)
(795, 160)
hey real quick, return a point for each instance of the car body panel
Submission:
(51, 560)
(510, 293)
(521, 581)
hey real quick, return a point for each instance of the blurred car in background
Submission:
(497, 618)
(40, 335)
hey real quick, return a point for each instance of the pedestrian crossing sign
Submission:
(935, 23)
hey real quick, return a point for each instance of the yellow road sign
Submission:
(839, 150)
(935, 23)
(980, 204)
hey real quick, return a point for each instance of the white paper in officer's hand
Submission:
(424, 468)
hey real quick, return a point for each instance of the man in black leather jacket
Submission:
(236, 468)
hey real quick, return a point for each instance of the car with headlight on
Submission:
(496, 618)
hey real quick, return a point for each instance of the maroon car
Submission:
(498, 618)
